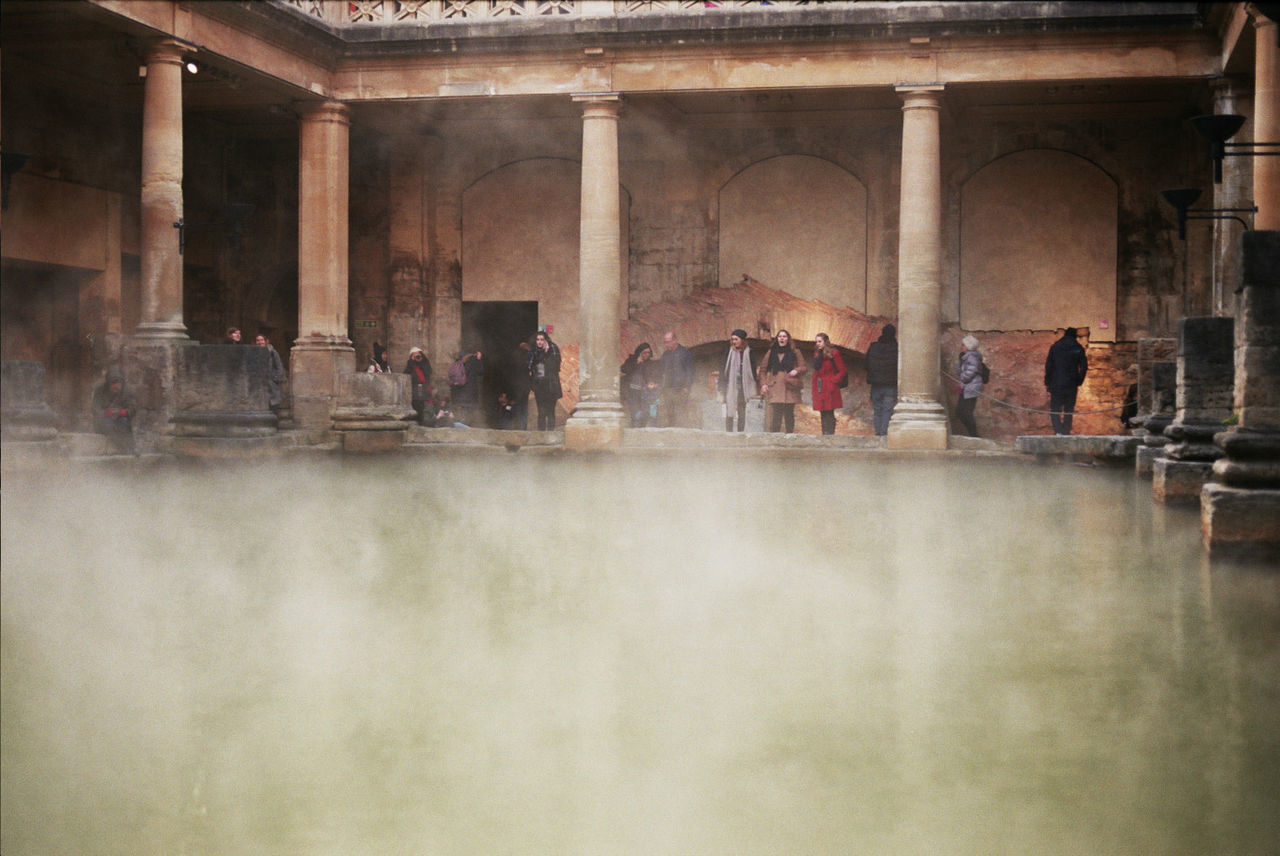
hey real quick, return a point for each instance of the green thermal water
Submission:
(629, 655)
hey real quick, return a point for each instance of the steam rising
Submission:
(625, 656)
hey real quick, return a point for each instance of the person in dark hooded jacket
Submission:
(113, 411)
(641, 379)
(1064, 371)
(882, 375)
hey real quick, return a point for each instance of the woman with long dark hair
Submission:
(781, 379)
(544, 378)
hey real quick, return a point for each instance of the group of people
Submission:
(1065, 368)
(535, 367)
(655, 393)
(779, 380)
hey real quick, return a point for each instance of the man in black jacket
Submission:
(882, 374)
(1064, 371)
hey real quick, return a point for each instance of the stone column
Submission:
(597, 421)
(1229, 96)
(919, 419)
(150, 358)
(1240, 509)
(1205, 380)
(1266, 123)
(323, 352)
(161, 317)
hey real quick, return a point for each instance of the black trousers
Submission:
(1062, 401)
(828, 421)
(964, 412)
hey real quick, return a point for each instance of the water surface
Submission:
(734, 654)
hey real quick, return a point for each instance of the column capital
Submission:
(598, 105)
(324, 111)
(919, 94)
(168, 50)
(1260, 19)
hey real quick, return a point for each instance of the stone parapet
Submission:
(25, 415)
(222, 391)
(1080, 446)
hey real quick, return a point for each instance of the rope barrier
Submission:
(1032, 409)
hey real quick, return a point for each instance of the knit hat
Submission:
(740, 333)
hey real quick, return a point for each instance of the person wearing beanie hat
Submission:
(113, 409)
(1064, 369)
(882, 375)
(737, 382)
(418, 368)
(378, 363)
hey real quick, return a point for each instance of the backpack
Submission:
(458, 374)
(984, 372)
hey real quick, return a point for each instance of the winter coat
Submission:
(748, 377)
(544, 372)
(882, 362)
(780, 392)
(677, 368)
(1066, 364)
(641, 383)
(419, 377)
(825, 384)
(970, 371)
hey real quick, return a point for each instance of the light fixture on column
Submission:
(1218, 129)
(1183, 198)
(233, 217)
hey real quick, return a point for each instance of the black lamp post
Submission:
(1183, 198)
(1218, 129)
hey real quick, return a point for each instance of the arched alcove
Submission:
(797, 223)
(520, 227)
(1038, 245)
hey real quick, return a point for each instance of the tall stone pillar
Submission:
(1205, 379)
(597, 421)
(1240, 509)
(1236, 191)
(161, 317)
(919, 419)
(1266, 122)
(322, 353)
(151, 358)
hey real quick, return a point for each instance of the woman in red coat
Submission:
(828, 373)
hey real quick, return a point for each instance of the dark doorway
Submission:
(496, 328)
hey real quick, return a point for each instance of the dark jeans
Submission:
(675, 408)
(1061, 404)
(780, 413)
(883, 400)
(964, 412)
(828, 421)
(546, 412)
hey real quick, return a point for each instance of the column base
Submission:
(1240, 523)
(594, 425)
(1175, 482)
(1144, 460)
(316, 366)
(161, 331)
(918, 425)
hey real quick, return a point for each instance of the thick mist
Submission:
(627, 655)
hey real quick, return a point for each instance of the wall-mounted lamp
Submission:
(233, 217)
(1217, 129)
(1183, 198)
(10, 163)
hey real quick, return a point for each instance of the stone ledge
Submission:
(418, 435)
(1080, 446)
